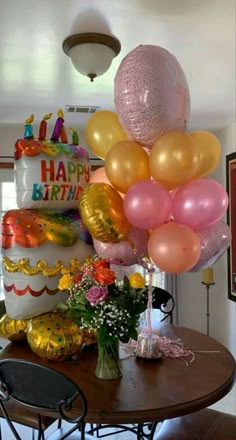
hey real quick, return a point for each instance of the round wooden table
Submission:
(149, 390)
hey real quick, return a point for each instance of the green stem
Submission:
(108, 362)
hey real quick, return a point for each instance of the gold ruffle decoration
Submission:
(40, 267)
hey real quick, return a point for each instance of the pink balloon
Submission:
(125, 252)
(151, 94)
(99, 175)
(199, 203)
(174, 247)
(147, 204)
(214, 242)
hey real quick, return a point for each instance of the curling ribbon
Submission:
(170, 348)
(149, 304)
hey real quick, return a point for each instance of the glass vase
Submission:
(108, 362)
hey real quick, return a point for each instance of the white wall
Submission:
(192, 307)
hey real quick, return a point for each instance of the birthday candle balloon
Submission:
(63, 135)
(58, 126)
(75, 136)
(43, 127)
(28, 127)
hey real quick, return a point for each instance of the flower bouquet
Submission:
(112, 307)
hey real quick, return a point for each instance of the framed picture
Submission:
(231, 220)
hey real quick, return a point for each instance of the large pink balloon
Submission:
(174, 247)
(147, 204)
(199, 203)
(126, 252)
(214, 242)
(151, 94)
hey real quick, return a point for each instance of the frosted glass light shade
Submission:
(91, 53)
(91, 58)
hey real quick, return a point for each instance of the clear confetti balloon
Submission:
(151, 94)
(214, 242)
(126, 252)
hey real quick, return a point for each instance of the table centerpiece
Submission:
(112, 307)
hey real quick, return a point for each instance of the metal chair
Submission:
(39, 388)
(24, 416)
(163, 301)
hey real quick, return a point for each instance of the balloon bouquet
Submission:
(153, 197)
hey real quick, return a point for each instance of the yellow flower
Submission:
(65, 282)
(136, 280)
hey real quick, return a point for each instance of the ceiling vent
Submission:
(81, 109)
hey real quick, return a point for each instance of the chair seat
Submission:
(23, 416)
(207, 424)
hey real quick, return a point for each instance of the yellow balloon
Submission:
(101, 209)
(103, 130)
(13, 329)
(54, 336)
(126, 164)
(174, 159)
(209, 149)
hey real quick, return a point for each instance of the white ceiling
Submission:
(37, 77)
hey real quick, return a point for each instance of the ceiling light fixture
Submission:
(91, 53)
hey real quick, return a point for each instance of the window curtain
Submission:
(172, 283)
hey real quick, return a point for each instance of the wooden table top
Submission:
(149, 390)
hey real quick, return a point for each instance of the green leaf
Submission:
(127, 283)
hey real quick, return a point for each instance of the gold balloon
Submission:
(101, 209)
(103, 130)
(126, 164)
(174, 159)
(54, 336)
(209, 149)
(13, 329)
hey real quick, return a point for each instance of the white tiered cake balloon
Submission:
(45, 237)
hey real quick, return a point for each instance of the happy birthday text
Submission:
(60, 181)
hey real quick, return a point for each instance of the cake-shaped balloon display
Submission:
(37, 247)
(41, 244)
(50, 174)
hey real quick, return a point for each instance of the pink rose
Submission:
(96, 294)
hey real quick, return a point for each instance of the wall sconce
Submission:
(91, 53)
(208, 281)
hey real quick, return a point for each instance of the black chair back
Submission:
(164, 301)
(40, 388)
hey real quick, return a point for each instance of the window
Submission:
(7, 200)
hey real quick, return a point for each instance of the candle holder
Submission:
(208, 285)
